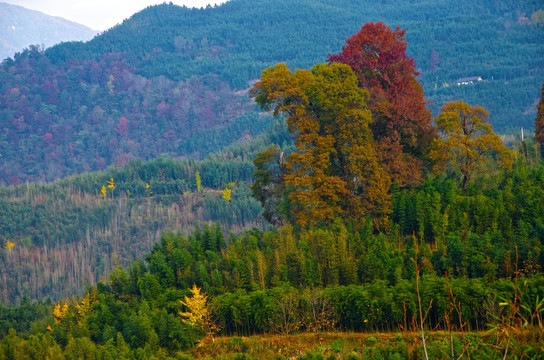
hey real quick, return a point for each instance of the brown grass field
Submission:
(351, 345)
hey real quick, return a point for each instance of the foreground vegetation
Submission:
(353, 346)
(308, 346)
(479, 274)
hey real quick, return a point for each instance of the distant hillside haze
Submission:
(173, 81)
(21, 27)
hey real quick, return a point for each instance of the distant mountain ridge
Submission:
(21, 27)
(167, 80)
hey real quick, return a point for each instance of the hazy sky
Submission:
(99, 14)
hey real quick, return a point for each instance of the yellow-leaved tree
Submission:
(198, 181)
(111, 185)
(227, 194)
(199, 314)
(85, 305)
(467, 141)
(148, 190)
(63, 315)
(103, 192)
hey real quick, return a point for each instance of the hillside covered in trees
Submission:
(170, 79)
(383, 219)
(478, 253)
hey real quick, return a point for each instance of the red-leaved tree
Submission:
(539, 120)
(402, 124)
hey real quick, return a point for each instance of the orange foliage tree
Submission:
(335, 170)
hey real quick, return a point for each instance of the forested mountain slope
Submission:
(171, 80)
(65, 234)
(20, 27)
(476, 256)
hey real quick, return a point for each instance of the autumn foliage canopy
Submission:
(402, 124)
(336, 170)
(360, 124)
